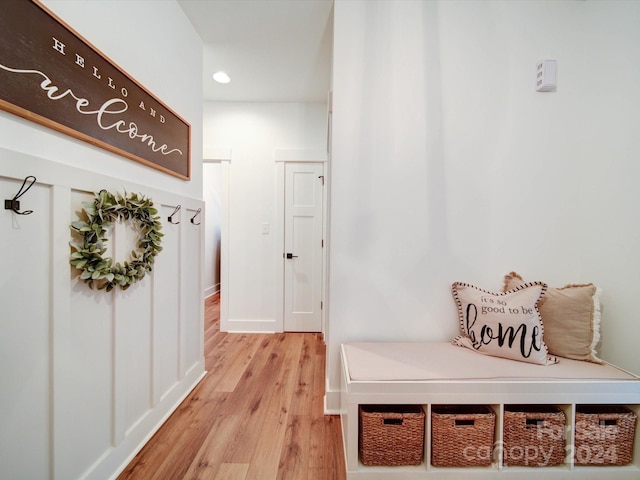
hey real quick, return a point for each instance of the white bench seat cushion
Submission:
(433, 361)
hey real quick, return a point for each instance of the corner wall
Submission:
(448, 166)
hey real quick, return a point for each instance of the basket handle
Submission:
(459, 423)
(535, 422)
(607, 422)
(392, 421)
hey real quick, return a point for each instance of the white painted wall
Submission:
(448, 166)
(252, 132)
(88, 377)
(212, 190)
(156, 45)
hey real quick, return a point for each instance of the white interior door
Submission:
(303, 242)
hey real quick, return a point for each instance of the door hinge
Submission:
(321, 305)
(321, 177)
(322, 243)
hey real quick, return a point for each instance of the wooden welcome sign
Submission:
(51, 75)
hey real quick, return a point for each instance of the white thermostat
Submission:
(547, 76)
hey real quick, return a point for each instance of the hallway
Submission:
(257, 414)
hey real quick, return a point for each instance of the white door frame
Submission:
(222, 155)
(282, 157)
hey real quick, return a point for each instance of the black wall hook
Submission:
(170, 217)
(14, 204)
(194, 217)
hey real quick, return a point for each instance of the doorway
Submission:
(303, 255)
(212, 195)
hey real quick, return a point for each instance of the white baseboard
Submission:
(113, 464)
(248, 326)
(209, 291)
(332, 403)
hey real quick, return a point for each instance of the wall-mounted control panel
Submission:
(547, 76)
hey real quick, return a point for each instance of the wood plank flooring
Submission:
(256, 415)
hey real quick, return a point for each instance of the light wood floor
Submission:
(257, 414)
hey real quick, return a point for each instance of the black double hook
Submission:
(170, 217)
(14, 203)
(194, 217)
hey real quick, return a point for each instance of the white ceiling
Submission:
(273, 50)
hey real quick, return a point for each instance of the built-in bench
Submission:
(430, 374)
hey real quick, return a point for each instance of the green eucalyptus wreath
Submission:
(105, 209)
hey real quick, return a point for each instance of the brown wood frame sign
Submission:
(49, 74)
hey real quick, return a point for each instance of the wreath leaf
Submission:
(101, 214)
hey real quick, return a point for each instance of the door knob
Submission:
(291, 255)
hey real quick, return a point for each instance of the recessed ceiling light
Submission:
(221, 77)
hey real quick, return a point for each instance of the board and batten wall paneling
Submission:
(84, 425)
(89, 376)
(192, 310)
(133, 335)
(24, 334)
(166, 331)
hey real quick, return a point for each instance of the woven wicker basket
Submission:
(604, 435)
(462, 435)
(533, 435)
(391, 435)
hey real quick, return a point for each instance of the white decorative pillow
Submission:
(571, 316)
(506, 325)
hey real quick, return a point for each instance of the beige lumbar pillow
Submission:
(506, 324)
(571, 317)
